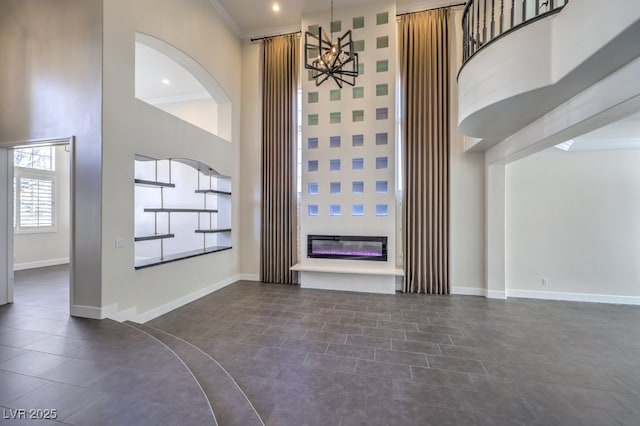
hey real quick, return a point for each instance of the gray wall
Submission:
(50, 81)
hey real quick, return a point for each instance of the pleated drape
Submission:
(280, 65)
(424, 74)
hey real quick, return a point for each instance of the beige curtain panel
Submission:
(280, 67)
(424, 73)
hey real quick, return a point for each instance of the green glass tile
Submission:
(382, 89)
(382, 42)
(358, 115)
(336, 26)
(358, 22)
(312, 53)
(358, 46)
(335, 118)
(358, 92)
(312, 97)
(382, 66)
(382, 18)
(360, 69)
(313, 119)
(314, 29)
(310, 75)
(335, 95)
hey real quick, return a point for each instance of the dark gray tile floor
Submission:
(307, 357)
(318, 357)
(89, 372)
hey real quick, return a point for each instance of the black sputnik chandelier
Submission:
(328, 59)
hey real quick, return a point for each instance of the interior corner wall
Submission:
(34, 250)
(50, 81)
(466, 190)
(131, 126)
(250, 164)
(573, 218)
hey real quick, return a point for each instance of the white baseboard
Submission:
(40, 264)
(90, 312)
(468, 291)
(574, 297)
(494, 294)
(248, 277)
(131, 314)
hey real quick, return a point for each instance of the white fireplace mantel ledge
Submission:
(368, 269)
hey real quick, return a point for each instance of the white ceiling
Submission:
(254, 18)
(152, 67)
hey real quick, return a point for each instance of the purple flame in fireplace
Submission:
(347, 247)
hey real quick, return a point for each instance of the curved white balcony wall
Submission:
(170, 80)
(524, 74)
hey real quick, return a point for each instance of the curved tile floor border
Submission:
(230, 403)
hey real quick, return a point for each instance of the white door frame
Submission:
(6, 213)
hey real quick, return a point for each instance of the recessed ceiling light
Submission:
(166, 81)
(275, 7)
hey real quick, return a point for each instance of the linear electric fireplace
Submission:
(347, 247)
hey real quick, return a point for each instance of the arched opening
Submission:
(172, 81)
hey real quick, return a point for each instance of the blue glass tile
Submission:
(382, 186)
(382, 162)
(382, 138)
(382, 210)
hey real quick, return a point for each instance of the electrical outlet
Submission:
(119, 243)
(545, 281)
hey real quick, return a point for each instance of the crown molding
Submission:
(226, 17)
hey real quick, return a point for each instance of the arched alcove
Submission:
(172, 81)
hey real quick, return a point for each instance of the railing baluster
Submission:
(513, 14)
(501, 16)
(465, 37)
(493, 21)
(484, 23)
(537, 11)
(477, 35)
(524, 11)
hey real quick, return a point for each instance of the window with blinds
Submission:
(34, 190)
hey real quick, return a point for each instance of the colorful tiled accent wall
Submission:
(349, 134)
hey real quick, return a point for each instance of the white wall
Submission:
(202, 113)
(250, 154)
(574, 219)
(131, 126)
(48, 248)
(466, 192)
